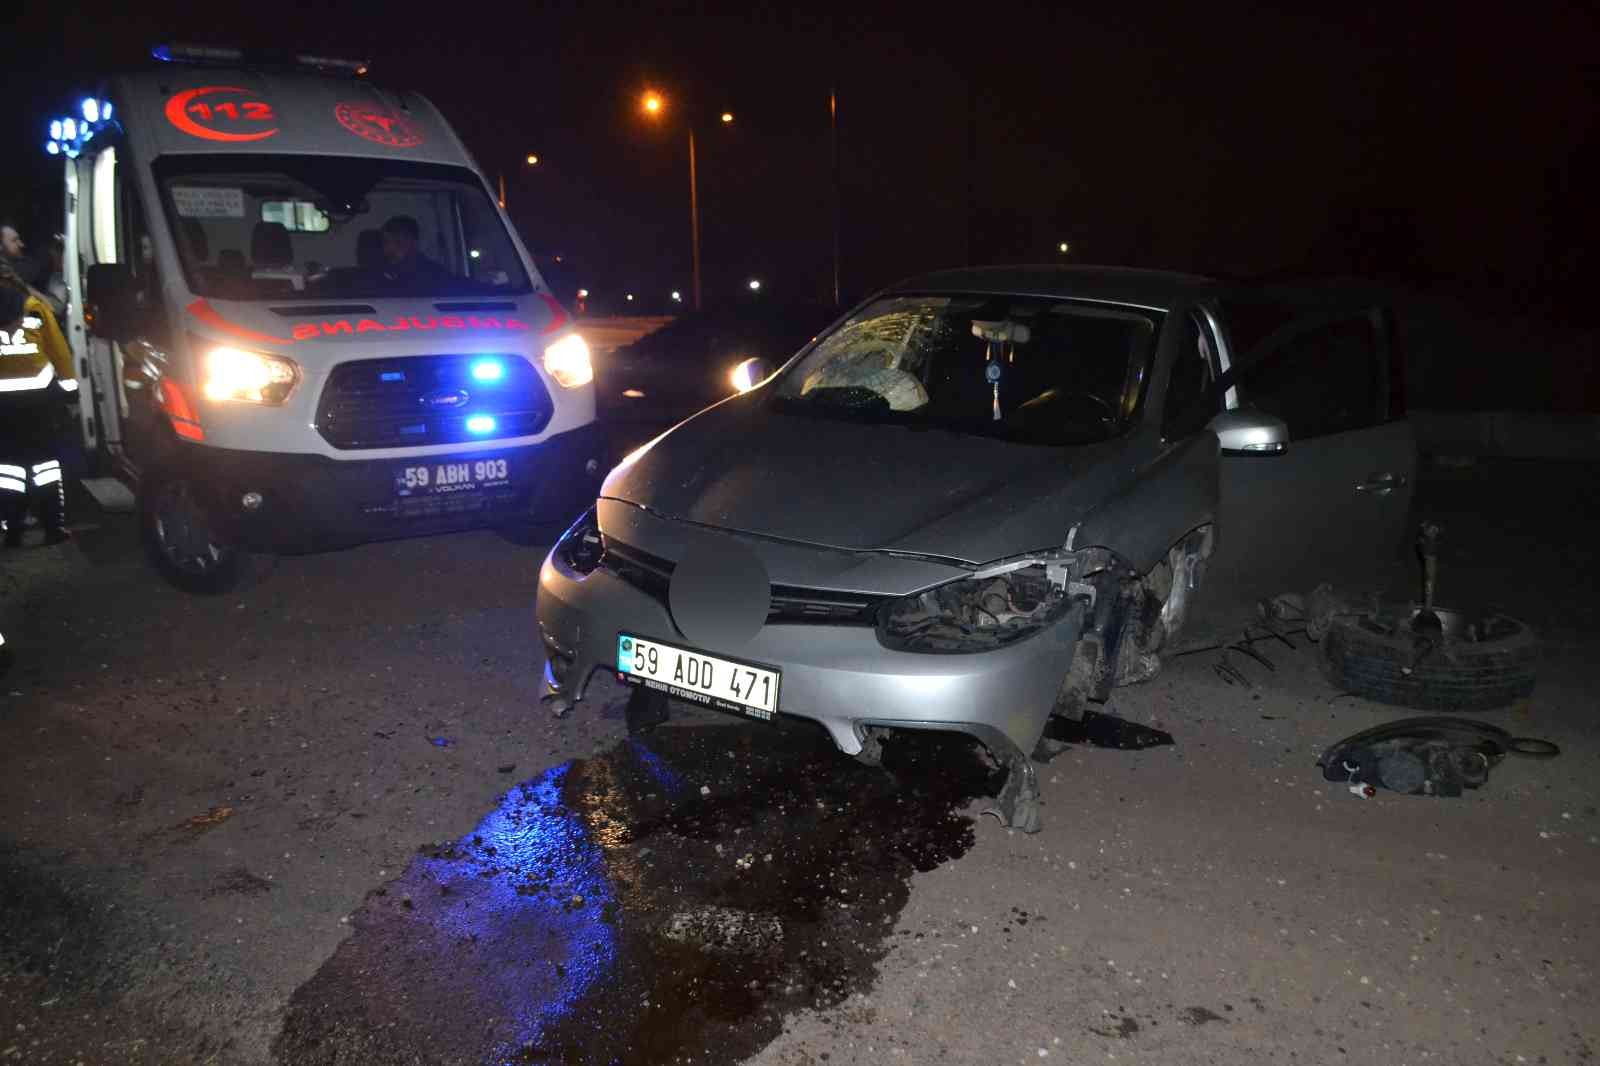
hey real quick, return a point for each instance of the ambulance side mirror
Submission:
(111, 296)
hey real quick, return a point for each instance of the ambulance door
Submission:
(99, 217)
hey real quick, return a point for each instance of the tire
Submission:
(182, 541)
(1377, 658)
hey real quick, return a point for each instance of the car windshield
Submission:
(1028, 369)
(252, 227)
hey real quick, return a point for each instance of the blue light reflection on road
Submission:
(535, 876)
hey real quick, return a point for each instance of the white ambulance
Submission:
(303, 321)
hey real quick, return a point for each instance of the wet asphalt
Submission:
(669, 900)
(326, 821)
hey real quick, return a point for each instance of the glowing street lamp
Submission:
(654, 105)
(677, 297)
(533, 160)
(1063, 247)
(755, 284)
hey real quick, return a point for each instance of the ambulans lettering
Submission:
(222, 113)
(310, 331)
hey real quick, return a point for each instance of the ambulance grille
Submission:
(431, 399)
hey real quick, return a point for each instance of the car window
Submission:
(1027, 369)
(1325, 380)
(1189, 403)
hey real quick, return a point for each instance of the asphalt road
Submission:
(325, 820)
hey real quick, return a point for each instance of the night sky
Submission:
(1432, 146)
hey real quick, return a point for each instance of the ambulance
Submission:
(303, 321)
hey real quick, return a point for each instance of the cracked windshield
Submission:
(1034, 371)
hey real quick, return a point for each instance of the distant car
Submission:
(670, 374)
(983, 498)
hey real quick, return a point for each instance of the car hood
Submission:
(862, 487)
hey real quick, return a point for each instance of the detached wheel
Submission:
(182, 540)
(1476, 664)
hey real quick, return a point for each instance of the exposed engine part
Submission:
(1001, 604)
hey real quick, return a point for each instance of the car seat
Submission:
(369, 249)
(270, 247)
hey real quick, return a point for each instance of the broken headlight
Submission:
(580, 546)
(997, 607)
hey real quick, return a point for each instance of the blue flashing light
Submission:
(69, 129)
(105, 110)
(488, 370)
(480, 424)
(162, 52)
(55, 130)
(53, 148)
(91, 110)
(392, 375)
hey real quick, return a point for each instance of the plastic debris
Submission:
(201, 822)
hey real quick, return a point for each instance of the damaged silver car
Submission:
(982, 498)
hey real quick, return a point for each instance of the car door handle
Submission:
(1382, 484)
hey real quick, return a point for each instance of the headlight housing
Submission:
(1000, 606)
(567, 360)
(580, 546)
(233, 375)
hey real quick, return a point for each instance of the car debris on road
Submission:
(1429, 756)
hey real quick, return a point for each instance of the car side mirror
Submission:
(750, 373)
(1248, 432)
(111, 295)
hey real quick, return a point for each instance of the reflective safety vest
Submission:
(35, 354)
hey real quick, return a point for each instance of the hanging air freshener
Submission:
(992, 372)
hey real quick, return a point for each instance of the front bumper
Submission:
(839, 676)
(311, 502)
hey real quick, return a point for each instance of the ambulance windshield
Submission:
(270, 227)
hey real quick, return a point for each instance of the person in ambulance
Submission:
(36, 381)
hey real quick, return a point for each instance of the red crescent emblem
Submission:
(186, 112)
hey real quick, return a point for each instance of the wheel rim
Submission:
(183, 532)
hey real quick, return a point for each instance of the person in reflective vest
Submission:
(37, 379)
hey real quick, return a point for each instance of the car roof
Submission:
(1145, 288)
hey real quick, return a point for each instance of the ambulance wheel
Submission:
(182, 538)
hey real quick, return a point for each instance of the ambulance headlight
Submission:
(231, 375)
(567, 360)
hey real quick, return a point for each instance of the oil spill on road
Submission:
(669, 899)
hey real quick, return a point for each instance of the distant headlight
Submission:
(232, 375)
(1007, 603)
(748, 374)
(567, 360)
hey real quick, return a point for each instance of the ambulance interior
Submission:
(275, 227)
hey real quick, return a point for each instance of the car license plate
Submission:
(696, 676)
(441, 477)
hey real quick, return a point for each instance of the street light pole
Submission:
(838, 191)
(694, 217)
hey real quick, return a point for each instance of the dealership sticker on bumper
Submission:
(696, 676)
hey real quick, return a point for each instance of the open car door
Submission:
(1333, 503)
